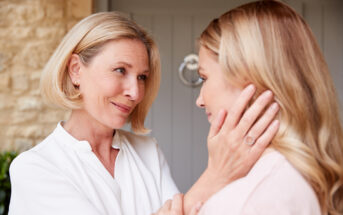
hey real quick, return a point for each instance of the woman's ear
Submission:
(74, 69)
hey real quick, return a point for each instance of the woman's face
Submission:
(216, 92)
(113, 83)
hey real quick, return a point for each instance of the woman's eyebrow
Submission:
(124, 63)
(130, 66)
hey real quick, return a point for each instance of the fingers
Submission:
(250, 116)
(217, 123)
(176, 205)
(262, 124)
(264, 140)
(172, 207)
(166, 207)
(238, 108)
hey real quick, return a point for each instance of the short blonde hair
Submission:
(86, 39)
(268, 44)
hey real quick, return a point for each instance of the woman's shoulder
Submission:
(273, 185)
(32, 162)
(34, 154)
(46, 155)
(283, 189)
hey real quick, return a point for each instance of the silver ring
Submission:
(249, 140)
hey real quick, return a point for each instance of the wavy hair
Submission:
(86, 39)
(268, 44)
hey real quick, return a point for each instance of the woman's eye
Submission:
(120, 70)
(142, 77)
(203, 79)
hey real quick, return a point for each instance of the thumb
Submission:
(217, 123)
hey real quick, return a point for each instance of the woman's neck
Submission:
(82, 126)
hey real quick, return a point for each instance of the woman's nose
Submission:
(199, 102)
(132, 90)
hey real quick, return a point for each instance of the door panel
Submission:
(333, 43)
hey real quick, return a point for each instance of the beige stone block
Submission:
(55, 9)
(33, 131)
(6, 8)
(35, 92)
(35, 54)
(5, 117)
(71, 23)
(23, 13)
(12, 33)
(20, 82)
(34, 83)
(80, 8)
(12, 131)
(47, 129)
(51, 116)
(28, 131)
(4, 81)
(3, 58)
(7, 145)
(35, 75)
(29, 103)
(50, 32)
(6, 101)
(18, 68)
(22, 144)
(22, 117)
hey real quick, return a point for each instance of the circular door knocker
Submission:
(188, 71)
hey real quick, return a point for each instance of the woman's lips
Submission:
(122, 107)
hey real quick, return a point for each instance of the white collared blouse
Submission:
(62, 175)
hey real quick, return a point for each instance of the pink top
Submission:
(273, 186)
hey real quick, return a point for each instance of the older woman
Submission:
(268, 44)
(106, 70)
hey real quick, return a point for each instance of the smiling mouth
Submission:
(122, 107)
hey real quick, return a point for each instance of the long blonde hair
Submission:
(86, 39)
(268, 44)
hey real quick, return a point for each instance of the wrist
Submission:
(219, 175)
(216, 179)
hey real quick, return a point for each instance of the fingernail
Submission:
(251, 87)
(267, 93)
(276, 123)
(274, 106)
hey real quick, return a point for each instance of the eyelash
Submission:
(122, 71)
(203, 79)
(142, 77)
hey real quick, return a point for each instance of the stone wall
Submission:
(30, 30)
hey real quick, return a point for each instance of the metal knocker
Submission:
(190, 65)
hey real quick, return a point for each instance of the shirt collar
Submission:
(63, 136)
(116, 142)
